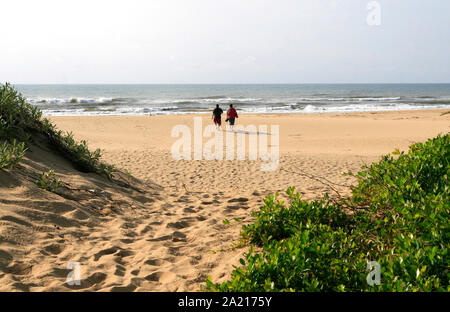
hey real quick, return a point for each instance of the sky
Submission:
(232, 41)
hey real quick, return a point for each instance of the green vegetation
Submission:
(22, 122)
(397, 215)
(48, 181)
(11, 154)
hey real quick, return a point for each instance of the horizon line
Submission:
(240, 83)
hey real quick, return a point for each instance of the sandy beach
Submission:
(169, 234)
(325, 145)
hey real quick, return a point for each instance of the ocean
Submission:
(153, 99)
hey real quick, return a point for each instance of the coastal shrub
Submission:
(48, 181)
(17, 118)
(276, 220)
(11, 154)
(397, 216)
(21, 121)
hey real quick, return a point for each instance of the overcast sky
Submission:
(218, 41)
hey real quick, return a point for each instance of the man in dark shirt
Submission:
(217, 116)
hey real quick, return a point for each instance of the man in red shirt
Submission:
(231, 115)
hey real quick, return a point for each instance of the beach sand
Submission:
(167, 234)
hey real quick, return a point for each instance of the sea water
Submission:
(153, 99)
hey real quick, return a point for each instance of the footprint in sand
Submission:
(127, 241)
(160, 239)
(146, 229)
(135, 272)
(231, 208)
(238, 200)
(95, 278)
(174, 251)
(130, 233)
(183, 199)
(109, 251)
(155, 262)
(180, 224)
(128, 225)
(196, 259)
(19, 268)
(128, 288)
(120, 270)
(5, 258)
(201, 218)
(212, 221)
(125, 253)
(54, 249)
(178, 237)
(162, 277)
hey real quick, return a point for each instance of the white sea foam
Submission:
(155, 100)
(68, 100)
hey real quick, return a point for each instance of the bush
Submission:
(17, 118)
(400, 219)
(20, 120)
(275, 221)
(48, 181)
(11, 154)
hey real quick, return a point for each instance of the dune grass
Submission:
(21, 122)
(11, 154)
(49, 181)
(398, 215)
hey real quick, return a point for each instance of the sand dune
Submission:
(146, 238)
(166, 233)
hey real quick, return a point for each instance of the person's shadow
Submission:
(246, 132)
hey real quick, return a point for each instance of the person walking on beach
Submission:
(231, 115)
(217, 116)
